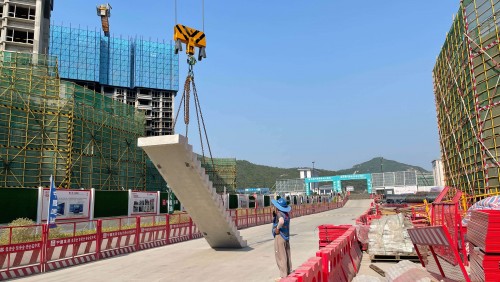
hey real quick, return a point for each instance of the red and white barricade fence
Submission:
(18, 259)
(338, 261)
(124, 240)
(75, 247)
(154, 233)
(244, 218)
(26, 250)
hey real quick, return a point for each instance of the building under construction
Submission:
(133, 71)
(78, 112)
(49, 126)
(466, 86)
(54, 127)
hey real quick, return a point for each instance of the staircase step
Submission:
(180, 167)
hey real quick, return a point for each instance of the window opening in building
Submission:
(21, 12)
(19, 36)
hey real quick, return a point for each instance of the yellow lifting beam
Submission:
(192, 38)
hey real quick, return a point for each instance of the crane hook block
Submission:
(192, 38)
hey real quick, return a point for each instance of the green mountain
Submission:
(258, 176)
(380, 164)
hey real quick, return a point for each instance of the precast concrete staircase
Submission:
(180, 167)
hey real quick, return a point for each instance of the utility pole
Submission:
(382, 165)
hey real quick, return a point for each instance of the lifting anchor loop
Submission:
(191, 62)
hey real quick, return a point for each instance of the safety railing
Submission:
(447, 213)
(26, 250)
(22, 250)
(244, 218)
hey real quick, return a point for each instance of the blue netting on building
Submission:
(115, 59)
(87, 55)
(156, 65)
(77, 51)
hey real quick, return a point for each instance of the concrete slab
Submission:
(180, 167)
(195, 261)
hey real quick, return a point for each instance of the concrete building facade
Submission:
(25, 25)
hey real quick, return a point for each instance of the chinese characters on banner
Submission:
(52, 211)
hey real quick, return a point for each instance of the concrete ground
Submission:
(365, 269)
(195, 261)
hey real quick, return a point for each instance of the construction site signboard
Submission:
(71, 204)
(143, 203)
(243, 201)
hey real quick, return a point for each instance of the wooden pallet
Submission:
(398, 257)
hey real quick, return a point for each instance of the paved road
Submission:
(195, 261)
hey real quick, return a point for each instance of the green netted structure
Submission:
(221, 171)
(53, 127)
(466, 86)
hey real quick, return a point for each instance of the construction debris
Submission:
(377, 269)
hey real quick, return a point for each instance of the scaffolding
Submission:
(290, 186)
(78, 52)
(221, 171)
(88, 55)
(155, 65)
(466, 79)
(134, 71)
(116, 64)
(53, 127)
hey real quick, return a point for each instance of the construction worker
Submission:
(281, 233)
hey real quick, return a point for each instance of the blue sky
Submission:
(286, 83)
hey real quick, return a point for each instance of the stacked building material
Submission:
(388, 236)
(329, 232)
(483, 232)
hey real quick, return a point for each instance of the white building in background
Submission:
(438, 172)
(25, 25)
(308, 172)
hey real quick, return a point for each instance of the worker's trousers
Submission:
(282, 254)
